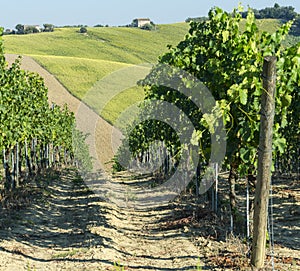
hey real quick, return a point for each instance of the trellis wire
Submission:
(247, 210)
(216, 187)
(271, 225)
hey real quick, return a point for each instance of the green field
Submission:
(79, 61)
(268, 25)
(78, 75)
(119, 44)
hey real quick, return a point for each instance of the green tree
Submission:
(20, 28)
(31, 29)
(83, 30)
(196, 19)
(295, 30)
(48, 27)
(148, 27)
(276, 12)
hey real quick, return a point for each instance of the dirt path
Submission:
(67, 227)
(58, 223)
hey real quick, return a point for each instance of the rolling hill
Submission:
(79, 61)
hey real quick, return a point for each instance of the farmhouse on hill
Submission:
(140, 22)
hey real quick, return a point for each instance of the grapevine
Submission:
(228, 60)
(33, 135)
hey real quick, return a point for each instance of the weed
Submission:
(29, 268)
(119, 267)
(199, 266)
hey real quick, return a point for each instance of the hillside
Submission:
(119, 44)
(79, 61)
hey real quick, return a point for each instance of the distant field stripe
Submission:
(77, 74)
(78, 58)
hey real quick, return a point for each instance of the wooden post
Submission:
(264, 163)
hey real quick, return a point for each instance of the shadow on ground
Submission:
(66, 223)
(59, 216)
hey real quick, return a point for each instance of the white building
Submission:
(139, 22)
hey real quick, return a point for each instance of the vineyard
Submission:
(187, 170)
(34, 136)
(229, 63)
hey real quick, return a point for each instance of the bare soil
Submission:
(65, 226)
(57, 223)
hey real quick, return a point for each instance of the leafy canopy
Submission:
(228, 60)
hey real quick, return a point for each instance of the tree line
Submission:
(283, 13)
(22, 29)
(276, 12)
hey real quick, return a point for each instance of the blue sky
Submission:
(116, 12)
